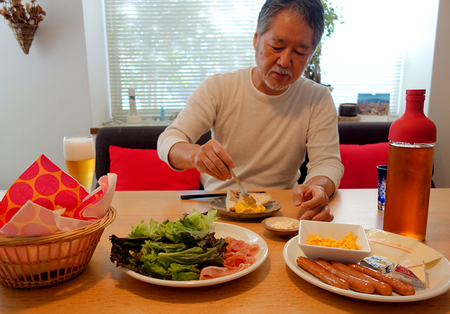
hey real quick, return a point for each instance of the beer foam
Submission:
(79, 148)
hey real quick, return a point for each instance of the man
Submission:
(263, 118)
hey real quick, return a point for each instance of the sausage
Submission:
(380, 287)
(357, 284)
(397, 285)
(322, 273)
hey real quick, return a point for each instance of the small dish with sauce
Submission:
(282, 226)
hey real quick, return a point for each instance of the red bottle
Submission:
(412, 138)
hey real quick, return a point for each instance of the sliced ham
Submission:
(212, 272)
(240, 245)
(240, 255)
(235, 259)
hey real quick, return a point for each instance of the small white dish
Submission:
(335, 231)
(269, 223)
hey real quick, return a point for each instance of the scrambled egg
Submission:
(347, 242)
(242, 208)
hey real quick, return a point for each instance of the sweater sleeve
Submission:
(192, 122)
(323, 141)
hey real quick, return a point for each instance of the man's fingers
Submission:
(309, 214)
(329, 218)
(314, 200)
(323, 214)
(213, 159)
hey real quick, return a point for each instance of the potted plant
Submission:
(312, 70)
(22, 20)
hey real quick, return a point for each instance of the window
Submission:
(165, 48)
(366, 53)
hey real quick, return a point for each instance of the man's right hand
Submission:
(210, 158)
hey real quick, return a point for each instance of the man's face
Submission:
(281, 53)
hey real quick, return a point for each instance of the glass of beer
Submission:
(79, 154)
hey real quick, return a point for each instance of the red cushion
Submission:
(141, 169)
(360, 163)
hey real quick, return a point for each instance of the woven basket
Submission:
(24, 34)
(46, 260)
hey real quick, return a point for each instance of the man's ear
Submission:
(255, 39)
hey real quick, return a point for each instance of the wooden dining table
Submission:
(271, 288)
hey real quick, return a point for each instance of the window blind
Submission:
(165, 48)
(358, 73)
(366, 53)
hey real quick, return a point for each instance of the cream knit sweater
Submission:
(265, 135)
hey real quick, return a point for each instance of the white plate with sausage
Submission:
(438, 278)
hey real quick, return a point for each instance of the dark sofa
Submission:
(146, 137)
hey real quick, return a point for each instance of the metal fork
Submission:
(246, 198)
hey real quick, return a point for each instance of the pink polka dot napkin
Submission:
(45, 199)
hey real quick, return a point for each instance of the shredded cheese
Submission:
(347, 242)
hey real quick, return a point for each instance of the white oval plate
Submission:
(222, 230)
(438, 278)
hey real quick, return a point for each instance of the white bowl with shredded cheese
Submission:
(323, 235)
(282, 226)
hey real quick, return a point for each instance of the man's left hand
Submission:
(314, 199)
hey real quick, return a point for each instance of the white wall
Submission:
(420, 41)
(43, 95)
(97, 61)
(439, 97)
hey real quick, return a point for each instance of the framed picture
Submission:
(373, 104)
